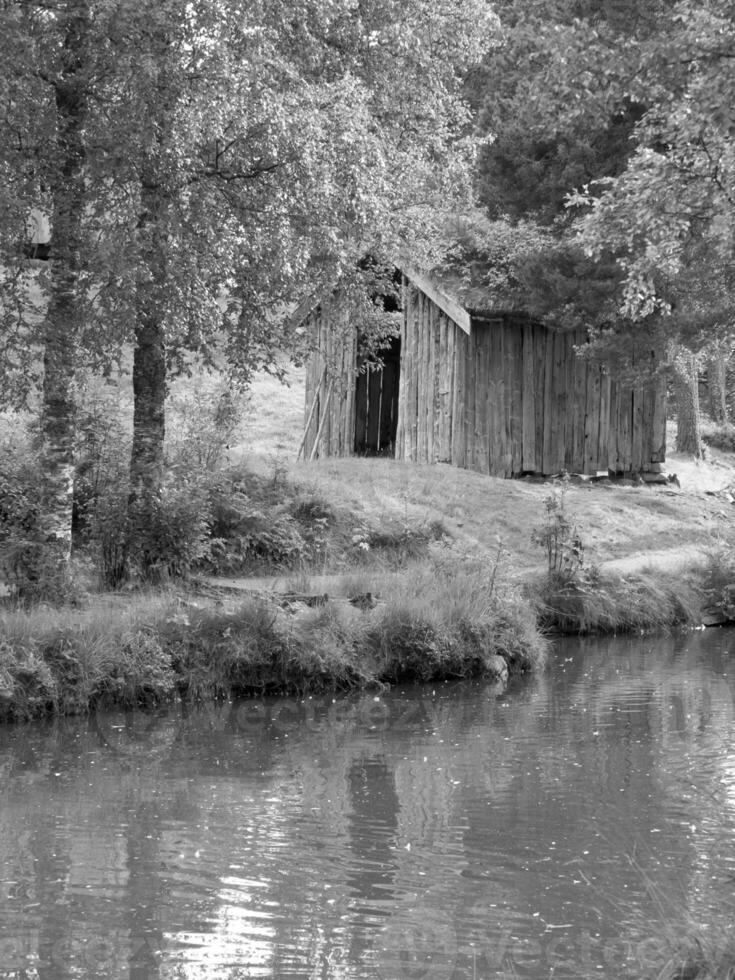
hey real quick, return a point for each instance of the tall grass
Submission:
(593, 602)
(432, 625)
(674, 942)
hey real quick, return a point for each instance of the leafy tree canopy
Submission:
(255, 149)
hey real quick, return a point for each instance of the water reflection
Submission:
(552, 829)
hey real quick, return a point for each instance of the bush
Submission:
(102, 458)
(560, 539)
(204, 419)
(719, 579)
(243, 533)
(174, 534)
(28, 564)
(720, 437)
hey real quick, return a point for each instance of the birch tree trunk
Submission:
(686, 384)
(63, 320)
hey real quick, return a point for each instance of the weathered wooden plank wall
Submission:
(330, 380)
(509, 398)
(515, 397)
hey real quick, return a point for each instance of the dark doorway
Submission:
(376, 404)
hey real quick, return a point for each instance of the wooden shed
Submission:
(489, 390)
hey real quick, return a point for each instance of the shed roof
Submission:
(463, 298)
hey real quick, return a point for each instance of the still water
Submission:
(572, 825)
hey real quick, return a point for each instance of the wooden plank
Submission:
(636, 434)
(626, 427)
(658, 424)
(347, 367)
(470, 388)
(540, 338)
(400, 449)
(437, 319)
(647, 426)
(594, 419)
(350, 420)
(612, 433)
(578, 460)
(528, 400)
(375, 378)
(324, 418)
(443, 441)
(443, 300)
(458, 397)
(432, 342)
(338, 399)
(549, 406)
(309, 416)
(516, 400)
(324, 409)
(561, 366)
(504, 383)
(567, 444)
(491, 382)
(424, 394)
(309, 399)
(498, 408)
(603, 431)
(406, 416)
(482, 386)
(413, 399)
(420, 373)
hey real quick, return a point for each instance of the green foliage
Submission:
(204, 418)
(668, 215)
(177, 536)
(205, 169)
(719, 579)
(28, 565)
(605, 603)
(142, 673)
(560, 539)
(720, 437)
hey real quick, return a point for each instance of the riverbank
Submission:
(435, 620)
(347, 574)
(142, 650)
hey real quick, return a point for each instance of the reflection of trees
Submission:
(144, 894)
(302, 838)
(372, 827)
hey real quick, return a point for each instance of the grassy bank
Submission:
(604, 603)
(456, 560)
(435, 620)
(144, 650)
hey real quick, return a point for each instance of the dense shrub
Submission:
(720, 437)
(102, 458)
(248, 531)
(177, 530)
(28, 566)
